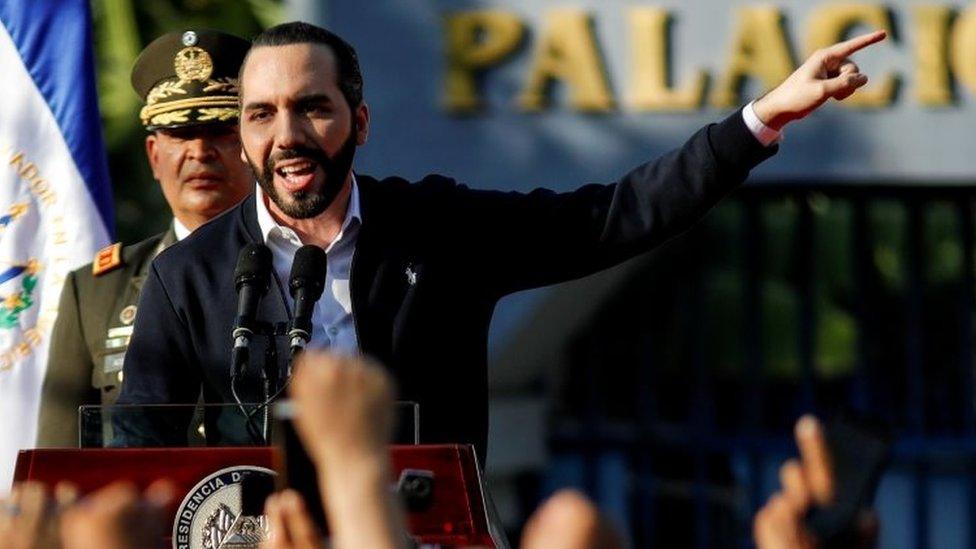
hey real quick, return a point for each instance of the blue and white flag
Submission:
(55, 196)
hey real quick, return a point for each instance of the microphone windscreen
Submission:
(308, 271)
(253, 266)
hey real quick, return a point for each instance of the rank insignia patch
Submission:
(107, 259)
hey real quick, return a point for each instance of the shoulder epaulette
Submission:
(107, 259)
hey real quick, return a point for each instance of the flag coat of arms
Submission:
(55, 196)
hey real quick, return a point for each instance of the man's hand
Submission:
(290, 524)
(344, 417)
(827, 73)
(345, 407)
(117, 517)
(805, 482)
(27, 519)
(570, 521)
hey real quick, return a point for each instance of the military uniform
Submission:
(90, 337)
(187, 79)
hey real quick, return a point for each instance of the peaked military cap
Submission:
(189, 78)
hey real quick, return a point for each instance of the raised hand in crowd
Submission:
(568, 520)
(805, 482)
(290, 524)
(344, 418)
(28, 520)
(117, 517)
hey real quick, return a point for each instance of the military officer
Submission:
(188, 80)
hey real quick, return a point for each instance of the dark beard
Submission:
(308, 204)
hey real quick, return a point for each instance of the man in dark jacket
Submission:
(193, 150)
(415, 269)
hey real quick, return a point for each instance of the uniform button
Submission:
(120, 377)
(333, 331)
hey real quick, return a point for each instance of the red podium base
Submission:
(456, 514)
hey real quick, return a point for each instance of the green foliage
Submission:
(117, 44)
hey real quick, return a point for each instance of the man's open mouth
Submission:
(296, 174)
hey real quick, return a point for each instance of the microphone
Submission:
(252, 278)
(306, 282)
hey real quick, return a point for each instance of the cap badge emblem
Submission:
(189, 38)
(193, 63)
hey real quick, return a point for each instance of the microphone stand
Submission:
(252, 278)
(267, 375)
(270, 376)
(294, 351)
(240, 357)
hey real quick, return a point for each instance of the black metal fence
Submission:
(789, 298)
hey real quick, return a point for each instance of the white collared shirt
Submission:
(180, 230)
(332, 322)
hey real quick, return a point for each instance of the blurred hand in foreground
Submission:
(28, 518)
(289, 522)
(805, 482)
(568, 520)
(118, 517)
(344, 407)
(344, 418)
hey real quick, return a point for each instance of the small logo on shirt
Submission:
(411, 275)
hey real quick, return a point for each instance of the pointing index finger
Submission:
(847, 48)
(816, 459)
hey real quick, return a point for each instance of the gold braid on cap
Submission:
(149, 113)
(222, 114)
(170, 117)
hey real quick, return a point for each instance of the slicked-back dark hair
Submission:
(350, 79)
